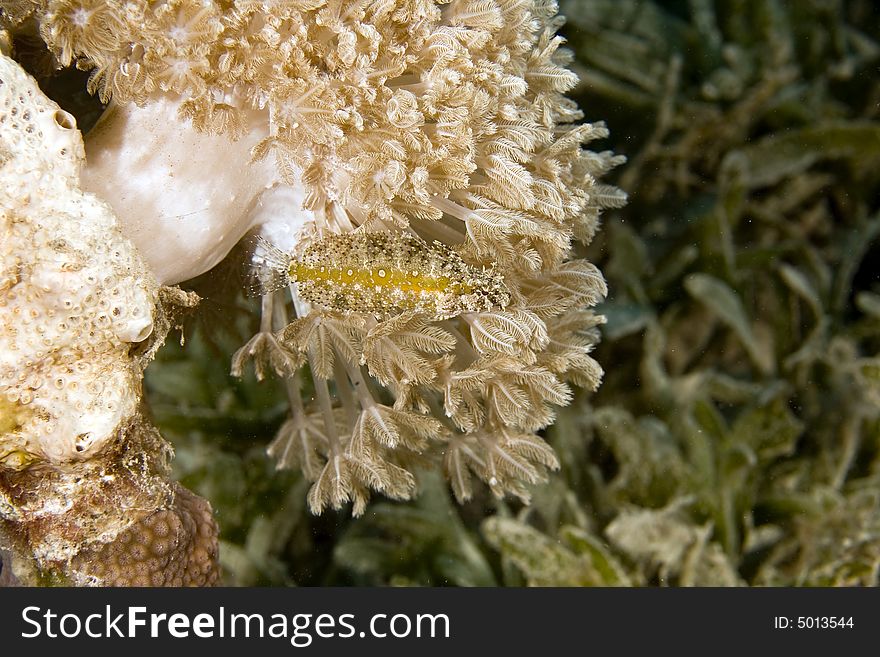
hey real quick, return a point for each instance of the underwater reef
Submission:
(735, 437)
(414, 179)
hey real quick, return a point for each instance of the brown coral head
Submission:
(175, 546)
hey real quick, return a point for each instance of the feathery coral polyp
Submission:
(413, 122)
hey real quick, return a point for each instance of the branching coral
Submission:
(446, 121)
(80, 317)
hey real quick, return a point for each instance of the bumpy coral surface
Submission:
(175, 546)
(445, 120)
(78, 463)
(73, 294)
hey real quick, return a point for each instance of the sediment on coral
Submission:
(56, 509)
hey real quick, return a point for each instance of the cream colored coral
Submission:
(446, 120)
(79, 464)
(74, 295)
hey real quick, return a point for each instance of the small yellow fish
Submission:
(384, 273)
